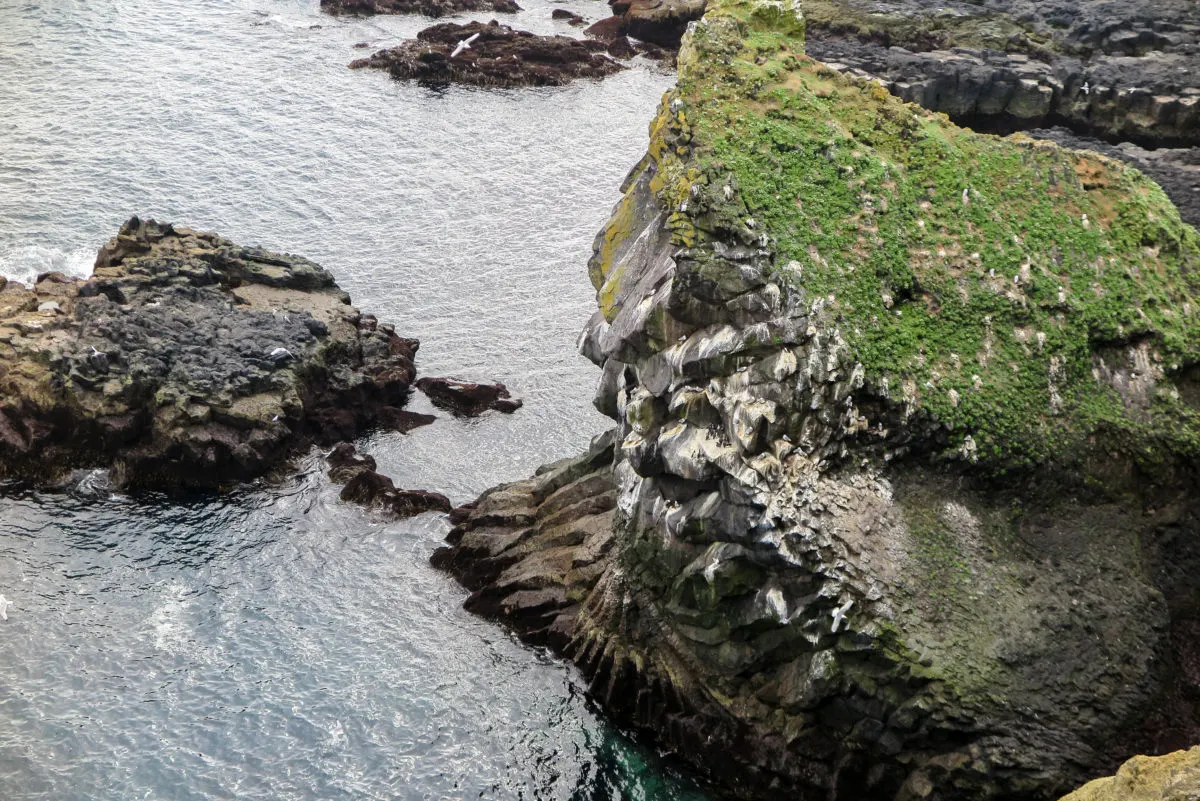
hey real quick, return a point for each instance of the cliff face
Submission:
(901, 498)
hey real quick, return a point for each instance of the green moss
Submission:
(975, 277)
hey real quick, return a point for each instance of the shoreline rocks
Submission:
(491, 55)
(372, 490)
(468, 398)
(187, 360)
(901, 485)
(430, 8)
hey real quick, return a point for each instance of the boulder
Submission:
(188, 360)
(491, 54)
(468, 398)
(904, 455)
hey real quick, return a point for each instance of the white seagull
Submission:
(4, 604)
(839, 614)
(464, 44)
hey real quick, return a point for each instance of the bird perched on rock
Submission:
(839, 615)
(465, 44)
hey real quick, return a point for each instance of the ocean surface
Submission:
(275, 643)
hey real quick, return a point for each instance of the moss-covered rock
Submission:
(905, 443)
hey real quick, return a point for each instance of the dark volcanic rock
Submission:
(467, 397)
(661, 22)
(365, 487)
(187, 359)
(430, 8)
(1128, 70)
(902, 488)
(570, 17)
(492, 55)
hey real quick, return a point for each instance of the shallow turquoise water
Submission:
(275, 643)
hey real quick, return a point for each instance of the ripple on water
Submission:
(273, 643)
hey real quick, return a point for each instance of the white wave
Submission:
(24, 263)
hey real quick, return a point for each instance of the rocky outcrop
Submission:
(1174, 777)
(188, 360)
(904, 464)
(366, 487)
(468, 398)
(1117, 70)
(491, 54)
(430, 8)
(658, 22)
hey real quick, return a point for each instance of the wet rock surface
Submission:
(901, 486)
(656, 22)
(491, 54)
(468, 398)
(1115, 70)
(188, 360)
(430, 8)
(366, 487)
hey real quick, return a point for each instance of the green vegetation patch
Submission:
(997, 285)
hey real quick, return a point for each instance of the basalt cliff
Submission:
(900, 502)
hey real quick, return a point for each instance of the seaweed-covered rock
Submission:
(187, 359)
(906, 446)
(491, 54)
(1120, 70)
(430, 8)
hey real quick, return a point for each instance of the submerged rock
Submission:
(430, 8)
(1174, 777)
(468, 398)
(491, 54)
(901, 485)
(186, 359)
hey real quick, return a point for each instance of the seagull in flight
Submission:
(4, 604)
(465, 44)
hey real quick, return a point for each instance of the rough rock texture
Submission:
(187, 359)
(498, 56)
(366, 487)
(905, 457)
(468, 398)
(1174, 777)
(430, 8)
(1127, 70)
(659, 22)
